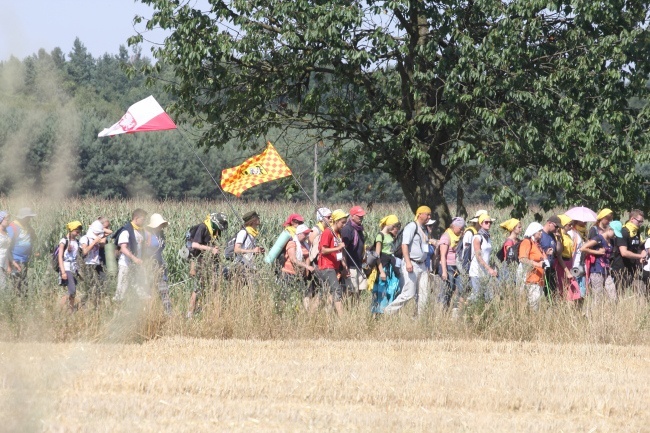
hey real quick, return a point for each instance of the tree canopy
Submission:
(533, 95)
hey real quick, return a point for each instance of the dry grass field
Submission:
(183, 384)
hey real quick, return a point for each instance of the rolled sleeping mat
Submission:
(277, 247)
(111, 260)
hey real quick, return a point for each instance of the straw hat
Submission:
(156, 220)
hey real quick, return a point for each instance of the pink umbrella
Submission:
(581, 213)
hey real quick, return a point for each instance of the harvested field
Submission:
(182, 384)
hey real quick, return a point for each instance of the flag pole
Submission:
(223, 193)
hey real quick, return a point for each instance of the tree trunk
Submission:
(423, 186)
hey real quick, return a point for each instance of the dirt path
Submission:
(206, 385)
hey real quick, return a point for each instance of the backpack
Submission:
(229, 251)
(464, 253)
(54, 260)
(189, 235)
(372, 258)
(511, 255)
(396, 248)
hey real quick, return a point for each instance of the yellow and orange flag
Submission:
(265, 167)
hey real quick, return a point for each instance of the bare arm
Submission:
(444, 248)
(64, 276)
(587, 247)
(476, 243)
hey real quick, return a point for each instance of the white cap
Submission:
(302, 228)
(323, 212)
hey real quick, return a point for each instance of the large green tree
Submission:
(534, 91)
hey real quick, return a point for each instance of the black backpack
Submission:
(396, 248)
(464, 253)
(511, 255)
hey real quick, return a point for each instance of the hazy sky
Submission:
(102, 26)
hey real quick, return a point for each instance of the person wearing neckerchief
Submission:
(534, 259)
(355, 244)
(479, 268)
(448, 268)
(631, 252)
(414, 276)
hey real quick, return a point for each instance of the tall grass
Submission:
(265, 310)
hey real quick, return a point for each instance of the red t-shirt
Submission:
(331, 260)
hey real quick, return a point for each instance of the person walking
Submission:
(204, 255)
(129, 241)
(5, 244)
(323, 218)
(600, 276)
(414, 277)
(23, 239)
(552, 250)
(94, 274)
(155, 246)
(297, 272)
(480, 270)
(508, 253)
(355, 245)
(68, 266)
(627, 270)
(332, 266)
(448, 269)
(386, 285)
(571, 242)
(533, 260)
(464, 250)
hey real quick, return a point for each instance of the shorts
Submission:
(330, 281)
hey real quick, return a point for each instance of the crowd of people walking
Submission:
(339, 258)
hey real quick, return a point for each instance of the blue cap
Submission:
(617, 227)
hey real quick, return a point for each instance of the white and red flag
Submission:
(146, 115)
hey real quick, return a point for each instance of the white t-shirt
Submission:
(646, 267)
(247, 243)
(92, 258)
(475, 269)
(70, 254)
(5, 242)
(124, 239)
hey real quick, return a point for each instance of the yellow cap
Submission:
(484, 217)
(72, 225)
(603, 213)
(565, 219)
(338, 214)
(389, 220)
(509, 224)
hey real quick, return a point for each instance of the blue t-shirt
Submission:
(548, 241)
(22, 242)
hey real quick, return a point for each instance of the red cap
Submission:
(293, 216)
(357, 210)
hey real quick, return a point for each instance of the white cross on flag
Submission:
(146, 115)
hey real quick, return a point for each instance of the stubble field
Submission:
(184, 384)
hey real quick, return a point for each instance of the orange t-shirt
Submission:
(531, 251)
(290, 252)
